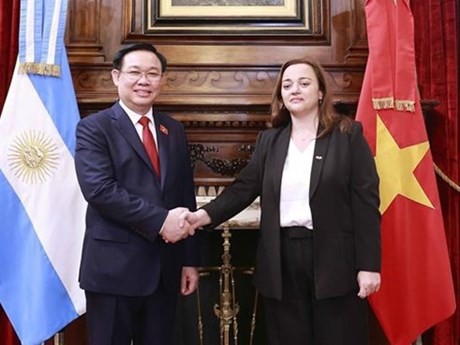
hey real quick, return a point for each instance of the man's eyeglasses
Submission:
(136, 75)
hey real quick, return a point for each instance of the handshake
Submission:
(181, 223)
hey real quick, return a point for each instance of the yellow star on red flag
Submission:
(396, 167)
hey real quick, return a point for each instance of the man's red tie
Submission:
(149, 144)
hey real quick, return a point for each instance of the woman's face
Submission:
(300, 90)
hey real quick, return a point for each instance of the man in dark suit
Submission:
(137, 178)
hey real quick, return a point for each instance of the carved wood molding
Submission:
(210, 85)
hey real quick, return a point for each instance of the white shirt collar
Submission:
(135, 117)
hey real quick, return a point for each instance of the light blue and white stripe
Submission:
(42, 213)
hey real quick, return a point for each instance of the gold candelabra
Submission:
(228, 308)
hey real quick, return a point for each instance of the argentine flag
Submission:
(41, 208)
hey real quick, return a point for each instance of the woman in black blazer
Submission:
(318, 254)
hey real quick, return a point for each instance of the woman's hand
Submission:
(195, 219)
(369, 282)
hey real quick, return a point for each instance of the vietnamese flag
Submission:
(417, 289)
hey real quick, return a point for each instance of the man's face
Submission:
(139, 80)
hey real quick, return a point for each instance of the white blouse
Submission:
(295, 187)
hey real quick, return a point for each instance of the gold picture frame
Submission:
(242, 18)
(212, 9)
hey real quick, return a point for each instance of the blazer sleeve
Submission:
(243, 190)
(365, 203)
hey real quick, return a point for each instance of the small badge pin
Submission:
(318, 157)
(163, 130)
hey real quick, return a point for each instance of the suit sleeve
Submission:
(243, 190)
(98, 182)
(365, 203)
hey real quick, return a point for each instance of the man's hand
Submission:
(189, 280)
(369, 282)
(171, 231)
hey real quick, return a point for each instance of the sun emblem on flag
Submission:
(33, 157)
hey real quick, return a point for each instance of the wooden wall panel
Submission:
(212, 70)
(83, 31)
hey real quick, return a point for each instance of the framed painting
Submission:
(234, 17)
(226, 9)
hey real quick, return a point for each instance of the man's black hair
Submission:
(117, 61)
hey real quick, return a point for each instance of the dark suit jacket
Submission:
(344, 202)
(127, 204)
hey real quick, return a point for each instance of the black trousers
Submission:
(301, 319)
(122, 320)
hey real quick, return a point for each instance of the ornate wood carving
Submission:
(208, 85)
(224, 167)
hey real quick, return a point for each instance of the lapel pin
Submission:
(163, 130)
(318, 157)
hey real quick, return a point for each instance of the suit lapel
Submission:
(124, 125)
(319, 156)
(163, 145)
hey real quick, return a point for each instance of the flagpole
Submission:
(419, 341)
(59, 338)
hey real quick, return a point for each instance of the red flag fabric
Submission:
(417, 289)
(7, 334)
